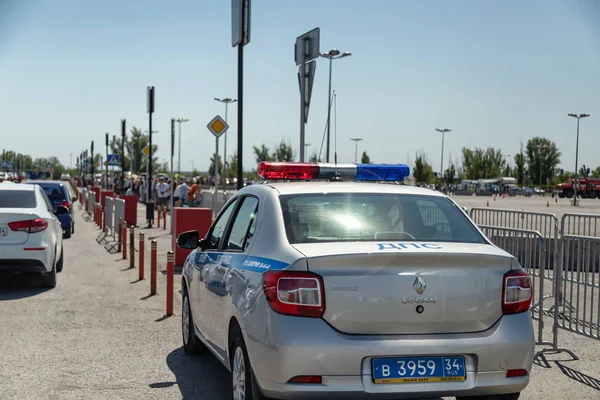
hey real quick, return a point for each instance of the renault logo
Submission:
(419, 285)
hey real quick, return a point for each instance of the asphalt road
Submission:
(98, 335)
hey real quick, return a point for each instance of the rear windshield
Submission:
(54, 192)
(17, 199)
(337, 217)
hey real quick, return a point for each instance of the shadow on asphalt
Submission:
(577, 376)
(14, 287)
(198, 377)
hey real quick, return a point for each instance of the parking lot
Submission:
(99, 335)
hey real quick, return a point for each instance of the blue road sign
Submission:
(114, 160)
(5, 164)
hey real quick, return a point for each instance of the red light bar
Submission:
(288, 170)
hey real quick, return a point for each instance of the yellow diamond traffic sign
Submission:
(217, 126)
(146, 150)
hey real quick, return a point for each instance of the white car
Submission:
(30, 233)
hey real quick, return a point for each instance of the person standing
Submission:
(192, 194)
(163, 191)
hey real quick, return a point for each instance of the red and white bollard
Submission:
(170, 278)
(141, 251)
(164, 220)
(153, 271)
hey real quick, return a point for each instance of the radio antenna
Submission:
(335, 128)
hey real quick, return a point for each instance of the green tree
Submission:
(423, 172)
(283, 152)
(483, 164)
(365, 159)
(596, 172)
(195, 172)
(450, 173)
(211, 169)
(542, 157)
(507, 170)
(262, 153)
(233, 165)
(135, 159)
(519, 170)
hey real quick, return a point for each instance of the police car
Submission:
(334, 281)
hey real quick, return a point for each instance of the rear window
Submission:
(17, 199)
(337, 217)
(54, 192)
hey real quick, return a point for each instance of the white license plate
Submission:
(4, 230)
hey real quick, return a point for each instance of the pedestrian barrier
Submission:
(119, 213)
(170, 278)
(83, 199)
(108, 216)
(565, 269)
(91, 204)
(580, 224)
(131, 247)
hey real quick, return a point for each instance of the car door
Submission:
(202, 282)
(225, 272)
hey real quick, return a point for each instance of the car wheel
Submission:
(191, 343)
(244, 386)
(511, 396)
(67, 234)
(49, 278)
(59, 265)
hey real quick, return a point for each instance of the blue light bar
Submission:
(382, 172)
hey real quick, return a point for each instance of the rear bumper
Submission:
(65, 221)
(302, 346)
(15, 258)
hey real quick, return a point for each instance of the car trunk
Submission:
(409, 288)
(7, 235)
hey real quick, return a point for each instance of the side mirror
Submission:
(60, 210)
(188, 240)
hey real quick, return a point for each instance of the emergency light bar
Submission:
(312, 171)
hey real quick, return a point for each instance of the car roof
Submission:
(15, 186)
(344, 187)
(38, 182)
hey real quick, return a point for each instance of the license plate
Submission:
(419, 369)
(3, 230)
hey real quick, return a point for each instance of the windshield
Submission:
(17, 199)
(339, 217)
(54, 192)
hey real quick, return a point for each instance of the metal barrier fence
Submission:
(119, 213)
(568, 270)
(580, 224)
(108, 214)
(91, 202)
(84, 199)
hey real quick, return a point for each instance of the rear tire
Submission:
(511, 396)
(67, 234)
(191, 343)
(49, 278)
(244, 386)
(59, 265)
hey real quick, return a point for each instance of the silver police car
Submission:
(330, 285)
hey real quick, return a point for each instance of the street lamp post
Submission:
(331, 55)
(356, 140)
(180, 120)
(443, 131)
(576, 181)
(226, 101)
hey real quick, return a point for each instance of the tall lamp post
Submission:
(576, 181)
(180, 121)
(443, 131)
(331, 55)
(226, 101)
(356, 140)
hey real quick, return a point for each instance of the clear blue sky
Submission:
(495, 72)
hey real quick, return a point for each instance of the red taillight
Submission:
(29, 226)
(306, 379)
(66, 204)
(514, 373)
(284, 170)
(295, 293)
(516, 292)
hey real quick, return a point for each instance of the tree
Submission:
(542, 157)
(135, 159)
(480, 164)
(314, 158)
(596, 172)
(519, 170)
(423, 172)
(233, 165)
(262, 153)
(365, 159)
(450, 173)
(507, 170)
(195, 172)
(162, 168)
(283, 152)
(211, 169)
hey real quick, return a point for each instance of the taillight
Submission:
(295, 293)
(29, 226)
(66, 204)
(515, 373)
(516, 292)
